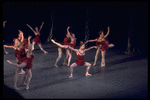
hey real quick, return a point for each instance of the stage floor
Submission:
(124, 76)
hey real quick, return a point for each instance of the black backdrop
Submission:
(102, 14)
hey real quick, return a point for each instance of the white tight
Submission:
(74, 65)
(102, 54)
(39, 44)
(28, 74)
(68, 54)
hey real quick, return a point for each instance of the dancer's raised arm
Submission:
(107, 32)
(29, 45)
(90, 41)
(4, 23)
(69, 32)
(32, 29)
(41, 26)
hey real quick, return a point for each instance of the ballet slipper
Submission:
(27, 87)
(70, 76)
(87, 74)
(56, 65)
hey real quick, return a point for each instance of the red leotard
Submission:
(20, 55)
(29, 62)
(79, 61)
(72, 45)
(66, 41)
(37, 39)
(103, 43)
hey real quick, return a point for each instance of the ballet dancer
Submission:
(26, 64)
(66, 41)
(37, 38)
(80, 60)
(3, 40)
(103, 43)
(71, 44)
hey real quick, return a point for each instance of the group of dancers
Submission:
(24, 55)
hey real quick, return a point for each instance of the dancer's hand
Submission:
(52, 40)
(27, 24)
(43, 22)
(68, 27)
(29, 37)
(4, 21)
(108, 27)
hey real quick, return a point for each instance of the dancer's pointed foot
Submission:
(70, 76)
(87, 74)
(16, 88)
(6, 52)
(65, 64)
(27, 87)
(102, 64)
(45, 52)
(9, 62)
(94, 64)
(55, 65)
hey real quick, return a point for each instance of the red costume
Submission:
(72, 45)
(20, 55)
(79, 61)
(66, 41)
(103, 43)
(29, 62)
(37, 39)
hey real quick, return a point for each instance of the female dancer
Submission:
(26, 64)
(80, 54)
(66, 41)
(3, 40)
(71, 44)
(37, 38)
(102, 42)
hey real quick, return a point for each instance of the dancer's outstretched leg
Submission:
(71, 69)
(62, 46)
(59, 56)
(87, 69)
(39, 44)
(96, 56)
(110, 45)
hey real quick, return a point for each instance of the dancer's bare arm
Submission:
(41, 26)
(32, 29)
(90, 41)
(107, 32)
(29, 45)
(76, 50)
(69, 32)
(4, 23)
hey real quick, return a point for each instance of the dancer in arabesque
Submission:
(103, 43)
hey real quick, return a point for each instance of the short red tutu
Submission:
(79, 61)
(37, 39)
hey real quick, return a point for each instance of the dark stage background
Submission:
(101, 15)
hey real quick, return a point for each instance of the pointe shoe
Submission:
(102, 64)
(16, 88)
(45, 52)
(94, 64)
(9, 62)
(27, 88)
(87, 74)
(6, 52)
(64, 64)
(70, 76)
(56, 65)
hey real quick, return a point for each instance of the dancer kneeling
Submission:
(80, 54)
(26, 64)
